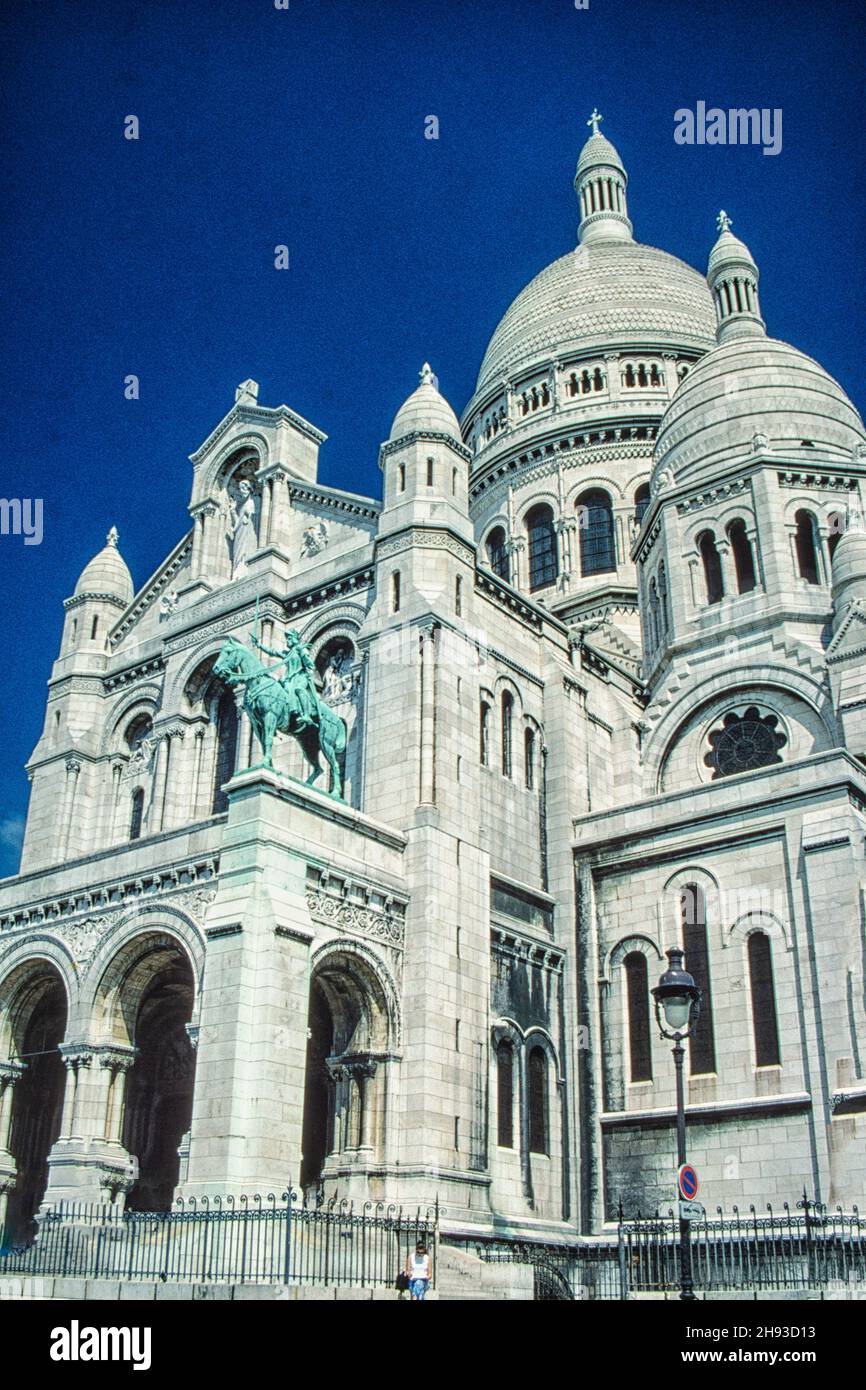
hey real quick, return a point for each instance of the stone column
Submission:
(76, 1059)
(729, 578)
(167, 814)
(428, 685)
(198, 772)
(10, 1073)
(73, 770)
(114, 836)
(116, 1064)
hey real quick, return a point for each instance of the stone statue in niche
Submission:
(241, 527)
(337, 678)
(314, 540)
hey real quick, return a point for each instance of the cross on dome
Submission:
(113, 536)
(426, 375)
(723, 221)
(594, 120)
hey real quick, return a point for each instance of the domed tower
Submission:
(757, 458)
(64, 769)
(573, 384)
(425, 487)
(103, 591)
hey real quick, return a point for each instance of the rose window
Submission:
(744, 741)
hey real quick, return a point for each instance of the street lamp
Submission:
(678, 1006)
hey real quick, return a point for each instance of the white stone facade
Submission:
(599, 652)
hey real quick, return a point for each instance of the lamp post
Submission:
(678, 1006)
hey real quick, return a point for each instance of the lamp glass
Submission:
(676, 1010)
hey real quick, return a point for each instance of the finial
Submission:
(594, 120)
(427, 376)
(112, 536)
(723, 221)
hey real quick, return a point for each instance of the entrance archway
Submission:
(145, 1001)
(160, 1085)
(350, 1023)
(36, 1005)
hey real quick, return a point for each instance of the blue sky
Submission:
(306, 127)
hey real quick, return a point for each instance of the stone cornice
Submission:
(324, 593)
(256, 415)
(425, 436)
(585, 449)
(77, 599)
(50, 912)
(335, 500)
(426, 538)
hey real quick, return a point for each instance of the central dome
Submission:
(603, 295)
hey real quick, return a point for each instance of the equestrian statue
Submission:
(288, 704)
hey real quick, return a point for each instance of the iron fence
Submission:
(810, 1247)
(226, 1240)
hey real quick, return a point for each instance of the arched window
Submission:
(507, 731)
(529, 758)
(395, 592)
(764, 1019)
(597, 551)
(429, 472)
(641, 503)
(642, 378)
(458, 596)
(693, 911)
(597, 379)
(136, 814)
(453, 482)
(712, 567)
(637, 990)
(836, 525)
(505, 1095)
(536, 1078)
(227, 749)
(94, 629)
(401, 477)
(806, 545)
(497, 553)
(543, 566)
(629, 378)
(744, 561)
(484, 735)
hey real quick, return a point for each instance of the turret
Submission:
(425, 465)
(102, 593)
(733, 279)
(600, 183)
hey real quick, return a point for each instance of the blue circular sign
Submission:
(688, 1180)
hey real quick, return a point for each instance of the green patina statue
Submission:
(288, 704)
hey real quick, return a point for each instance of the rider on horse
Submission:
(298, 680)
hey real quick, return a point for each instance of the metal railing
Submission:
(811, 1247)
(808, 1248)
(227, 1240)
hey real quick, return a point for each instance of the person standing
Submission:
(418, 1272)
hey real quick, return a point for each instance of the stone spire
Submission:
(732, 276)
(600, 183)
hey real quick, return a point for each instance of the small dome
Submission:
(106, 575)
(598, 151)
(425, 412)
(729, 250)
(753, 394)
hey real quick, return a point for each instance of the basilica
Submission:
(597, 656)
